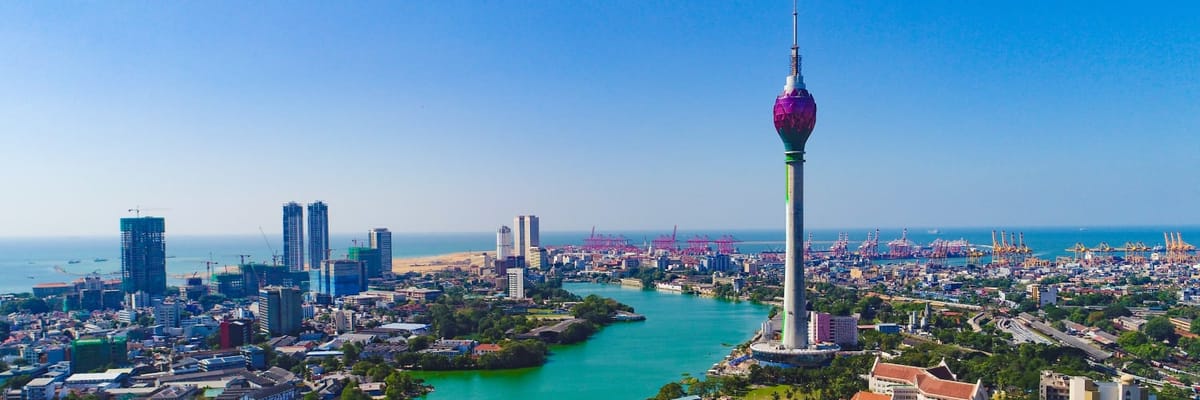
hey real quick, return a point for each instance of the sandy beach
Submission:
(439, 262)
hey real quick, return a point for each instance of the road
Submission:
(1020, 333)
(1092, 351)
(974, 322)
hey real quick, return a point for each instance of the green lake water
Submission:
(631, 360)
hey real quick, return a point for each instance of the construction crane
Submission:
(274, 255)
(137, 210)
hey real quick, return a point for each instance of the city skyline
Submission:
(975, 115)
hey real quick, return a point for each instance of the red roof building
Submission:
(486, 348)
(905, 382)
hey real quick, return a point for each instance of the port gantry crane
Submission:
(1178, 251)
(1135, 252)
(668, 243)
(900, 248)
(841, 247)
(808, 246)
(869, 249)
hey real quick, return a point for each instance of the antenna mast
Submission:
(795, 38)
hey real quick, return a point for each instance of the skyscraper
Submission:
(381, 239)
(318, 234)
(795, 116)
(279, 310)
(143, 255)
(504, 243)
(293, 236)
(526, 234)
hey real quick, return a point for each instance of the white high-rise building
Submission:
(516, 283)
(526, 234)
(504, 243)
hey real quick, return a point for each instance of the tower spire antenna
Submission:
(795, 80)
(795, 37)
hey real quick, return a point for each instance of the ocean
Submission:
(28, 261)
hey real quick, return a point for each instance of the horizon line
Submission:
(573, 231)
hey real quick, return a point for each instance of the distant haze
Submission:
(457, 115)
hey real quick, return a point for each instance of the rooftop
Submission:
(936, 381)
(865, 395)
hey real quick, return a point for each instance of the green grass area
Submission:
(764, 393)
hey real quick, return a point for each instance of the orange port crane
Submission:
(1135, 252)
(1178, 251)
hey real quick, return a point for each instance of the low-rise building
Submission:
(904, 382)
(1055, 386)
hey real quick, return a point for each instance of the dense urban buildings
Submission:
(318, 233)
(293, 236)
(144, 255)
(381, 239)
(1056, 386)
(526, 234)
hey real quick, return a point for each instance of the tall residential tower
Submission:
(143, 255)
(318, 234)
(293, 236)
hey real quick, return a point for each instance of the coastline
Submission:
(439, 262)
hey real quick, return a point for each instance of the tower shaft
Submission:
(795, 322)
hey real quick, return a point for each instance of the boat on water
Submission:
(100, 259)
(73, 262)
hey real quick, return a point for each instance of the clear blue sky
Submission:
(456, 115)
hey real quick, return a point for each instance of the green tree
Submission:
(1160, 329)
(1132, 338)
(350, 353)
(670, 391)
(145, 319)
